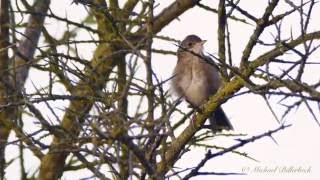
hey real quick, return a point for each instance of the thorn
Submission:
(274, 140)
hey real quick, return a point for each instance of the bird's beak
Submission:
(201, 42)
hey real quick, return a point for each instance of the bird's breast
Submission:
(196, 91)
(194, 83)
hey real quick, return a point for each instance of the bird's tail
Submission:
(219, 121)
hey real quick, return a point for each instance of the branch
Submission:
(105, 58)
(222, 20)
(95, 171)
(280, 50)
(127, 140)
(170, 13)
(241, 143)
(7, 114)
(261, 24)
(207, 8)
(27, 46)
(128, 8)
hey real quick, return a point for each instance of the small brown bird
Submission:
(195, 80)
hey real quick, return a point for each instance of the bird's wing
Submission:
(213, 76)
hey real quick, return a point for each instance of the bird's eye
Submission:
(189, 44)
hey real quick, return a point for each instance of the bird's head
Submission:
(192, 43)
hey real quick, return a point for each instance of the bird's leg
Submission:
(196, 109)
(193, 120)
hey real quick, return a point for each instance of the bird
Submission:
(195, 80)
